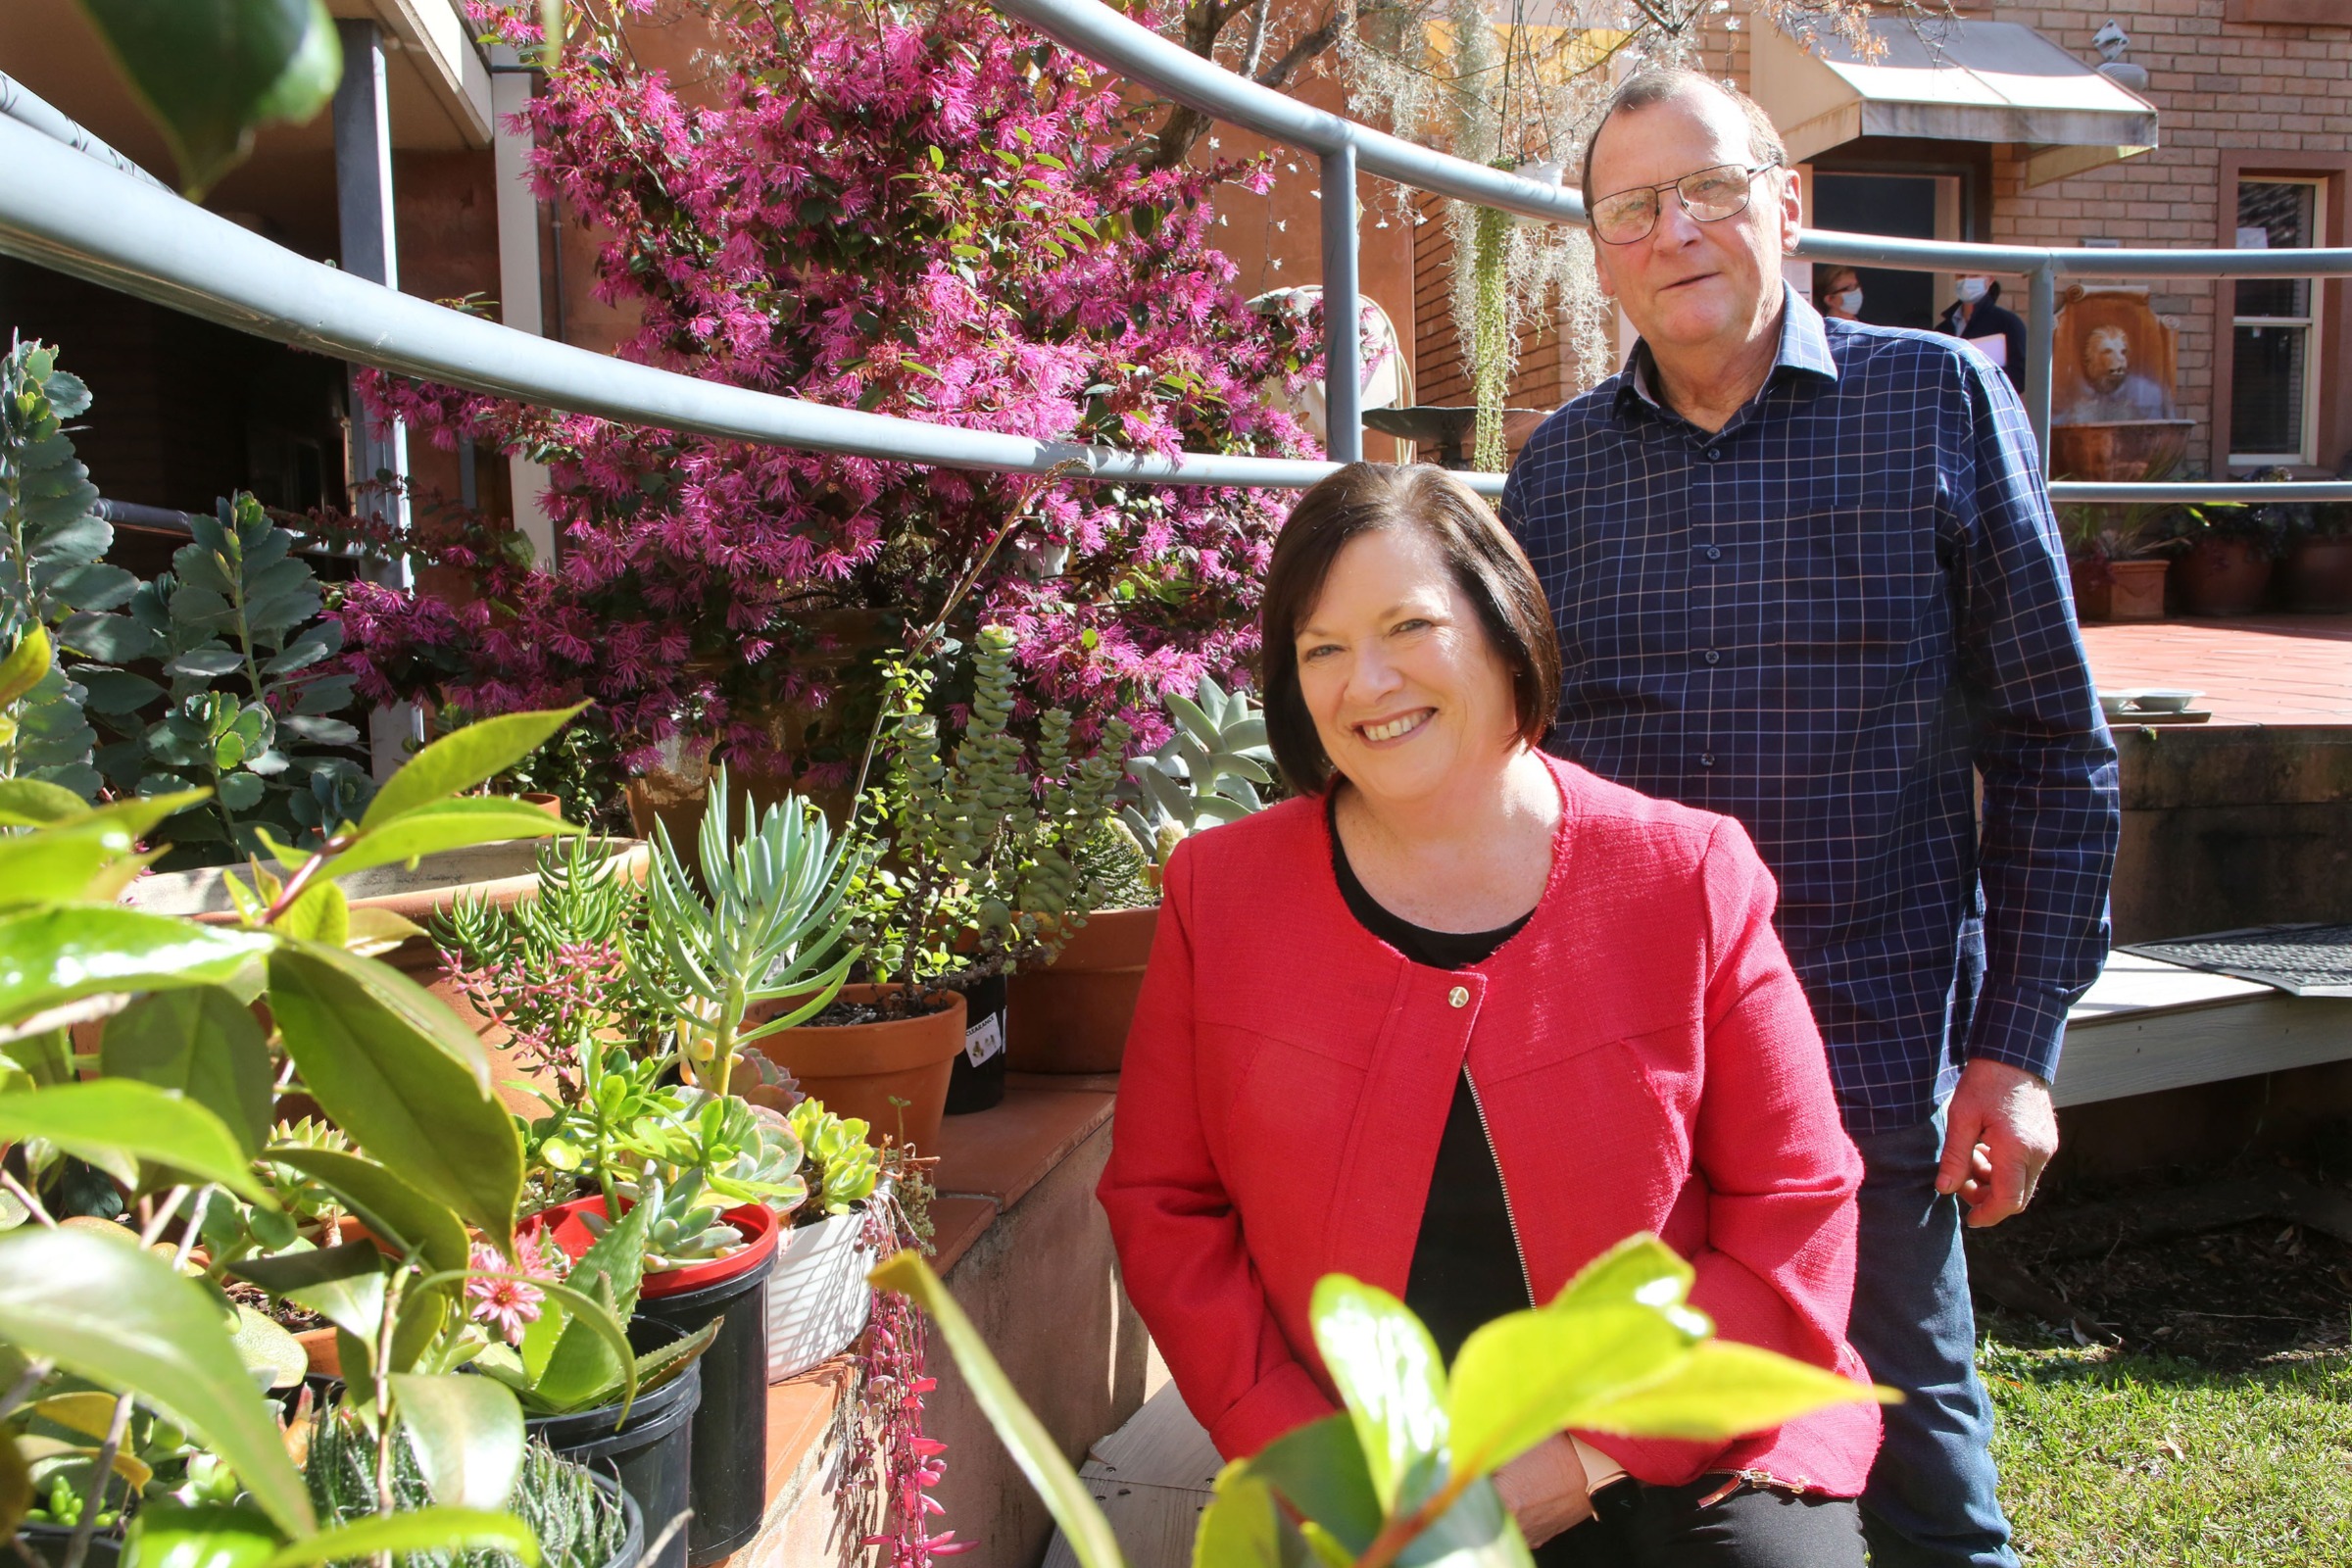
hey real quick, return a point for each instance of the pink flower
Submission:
(507, 1305)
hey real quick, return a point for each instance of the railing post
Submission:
(1343, 341)
(2041, 341)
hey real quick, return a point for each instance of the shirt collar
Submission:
(1804, 350)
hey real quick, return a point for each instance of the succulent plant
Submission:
(845, 1165)
(1209, 772)
(743, 1153)
(684, 1226)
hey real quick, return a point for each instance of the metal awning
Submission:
(1990, 82)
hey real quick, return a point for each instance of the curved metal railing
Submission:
(71, 203)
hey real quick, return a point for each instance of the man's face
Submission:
(1692, 285)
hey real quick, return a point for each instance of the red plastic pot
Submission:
(572, 1233)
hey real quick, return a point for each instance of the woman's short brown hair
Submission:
(1487, 564)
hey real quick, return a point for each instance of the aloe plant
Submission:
(772, 929)
(1402, 1474)
(1208, 772)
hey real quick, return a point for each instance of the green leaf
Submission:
(459, 760)
(387, 1204)
(117, 691)
(1032, 1447)
(321, 915)
(1639, 1271)
(164, 1535)
(1389, 1378)
(56, 864)
(26, 664)
(114, 1123)
(274, 1356)
(1241, 1527)
(416, 1007)
(203, 1043)
(417, 1529)
(572, 1361)
(1528, 1375)
(32, 803)
(210, 71)
(126, 1318)
(1319, 1470)
(308, 1267)
(1721, 1389)
(467, 1433)
(49, 957)
(443, 826)
(15, 1485)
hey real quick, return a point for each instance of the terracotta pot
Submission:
(326, 1361)
(2093, 583)
(2222, 577)
(856, 1069)
(1073, 1015)
(2319, 574)
(552, 804)
(2119, 450)
(2136, 592)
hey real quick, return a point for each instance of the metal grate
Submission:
(2305, 960)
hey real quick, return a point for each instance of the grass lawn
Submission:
(2117, 1458)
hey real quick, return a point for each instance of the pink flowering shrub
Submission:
(918, 208)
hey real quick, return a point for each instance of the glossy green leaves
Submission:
(211, 72)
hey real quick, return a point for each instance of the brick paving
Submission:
(2258, 669)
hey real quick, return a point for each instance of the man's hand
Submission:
(2002, 1131)
(1545, 1489)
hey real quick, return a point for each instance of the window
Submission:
(2273, 390)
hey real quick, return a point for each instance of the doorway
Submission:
(1902, 206)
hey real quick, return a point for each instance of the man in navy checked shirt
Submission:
(1805, 574)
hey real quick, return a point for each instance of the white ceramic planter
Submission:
(817, 1297)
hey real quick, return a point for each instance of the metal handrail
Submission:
(72, 204)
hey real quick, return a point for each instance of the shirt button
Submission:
(1458, 997)
(1714, 658)
(1707, 758)
(1713, 554)
(1714, 453)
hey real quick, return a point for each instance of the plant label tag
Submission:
(984, 1039)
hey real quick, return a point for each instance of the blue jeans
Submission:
(1931, 1501)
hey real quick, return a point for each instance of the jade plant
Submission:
(980, 849)
(1402, 1474)
(843, 1164)
(1209, 771)
(173, 1131)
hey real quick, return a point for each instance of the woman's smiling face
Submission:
(1410, 695)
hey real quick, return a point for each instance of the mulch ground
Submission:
(2235, 1267)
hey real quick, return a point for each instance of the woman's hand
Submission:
(1544, 1488)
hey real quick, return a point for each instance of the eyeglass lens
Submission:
(1708, 195)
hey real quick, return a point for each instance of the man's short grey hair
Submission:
(1656, 84)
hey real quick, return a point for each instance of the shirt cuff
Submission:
(2022, 1026)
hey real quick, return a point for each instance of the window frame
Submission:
(2332, 344)
(2312, 325)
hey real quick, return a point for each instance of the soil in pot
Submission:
(2319, 575)
(651, 1452)
(976, 1079)
(2222, 577)
(861, 1062)
(2137, 590)
(1073, 1015)
(729, 1459)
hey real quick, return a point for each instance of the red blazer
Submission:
(1644, 1057)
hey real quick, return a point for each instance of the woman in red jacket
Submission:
(1459, 1017)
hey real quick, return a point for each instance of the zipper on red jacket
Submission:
(1509, 1213)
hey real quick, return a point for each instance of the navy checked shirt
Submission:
(1817, 620)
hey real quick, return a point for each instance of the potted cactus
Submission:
(1071, 1017)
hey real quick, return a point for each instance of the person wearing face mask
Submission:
(1839, 291)
(1978, 315)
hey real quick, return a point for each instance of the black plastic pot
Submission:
(47, 1544)
(651, 1453)
(976, 1088)
(729, 1462)
(632, 1544)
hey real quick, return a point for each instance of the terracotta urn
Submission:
(2319, 574)
(1072, 1015)
(861, 1069)
(2136, 592)
(2223, 576)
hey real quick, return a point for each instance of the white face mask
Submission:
(1849, 301)
(1972, 290)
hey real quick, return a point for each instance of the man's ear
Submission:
(1793, 211)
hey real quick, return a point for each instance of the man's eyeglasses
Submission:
(1708, 195)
